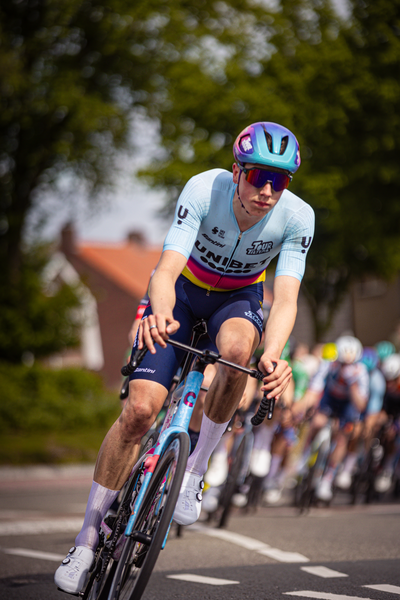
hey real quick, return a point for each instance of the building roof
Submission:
(128, 264)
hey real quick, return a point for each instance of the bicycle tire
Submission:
(225, 502)
(102, 574)
(153, 521)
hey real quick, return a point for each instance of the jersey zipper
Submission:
(227, 264)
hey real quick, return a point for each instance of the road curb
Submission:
(45, 472)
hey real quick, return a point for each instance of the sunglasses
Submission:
(259, 177)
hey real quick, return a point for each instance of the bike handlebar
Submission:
(267, 404)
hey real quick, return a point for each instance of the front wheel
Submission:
(142, 548)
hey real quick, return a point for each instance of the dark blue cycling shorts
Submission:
(344, 410)
(193, 304)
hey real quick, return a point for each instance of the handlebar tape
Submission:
(266, 407)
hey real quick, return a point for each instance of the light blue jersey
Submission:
(220, 256)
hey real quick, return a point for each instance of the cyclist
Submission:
(341, 388)
(391, 412)
(227, 229)
(370, 419)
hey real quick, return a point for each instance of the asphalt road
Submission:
(336, 553)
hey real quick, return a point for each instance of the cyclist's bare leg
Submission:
(120, 447)
(236, 341)
(116, 458)
(340, 449)
(197, 415)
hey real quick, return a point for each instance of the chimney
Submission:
(136, 237)
(68, 245)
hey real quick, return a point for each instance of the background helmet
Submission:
(267, 144)
(329, 352)
(391, 367)
(349, 349)
(370, 358)
(384, 349)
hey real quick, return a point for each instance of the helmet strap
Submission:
(243, 206)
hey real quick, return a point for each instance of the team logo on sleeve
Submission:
(260, 247)
(182, 214)
(305, 242)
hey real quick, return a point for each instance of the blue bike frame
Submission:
(180, 423)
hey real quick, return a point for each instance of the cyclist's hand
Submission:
(276, 380)
(156, 329)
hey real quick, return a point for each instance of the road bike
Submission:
(312, 473)
(131, 540)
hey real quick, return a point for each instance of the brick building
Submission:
(113, 277)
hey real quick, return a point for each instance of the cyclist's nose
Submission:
(267, 189)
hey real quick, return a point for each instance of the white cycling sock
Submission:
(263, 437)
(100, 500)
(210, 434)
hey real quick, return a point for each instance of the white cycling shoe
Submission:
(71, 574)
(324, 490)
(188, 507)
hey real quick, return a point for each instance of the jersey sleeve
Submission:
(317, 383)
(298, 236)
(192, 207)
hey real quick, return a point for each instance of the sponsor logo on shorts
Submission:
(144, 370)
(254, 318)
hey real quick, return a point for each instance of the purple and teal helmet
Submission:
(267, 144)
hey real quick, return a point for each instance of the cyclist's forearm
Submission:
(162, 293)
(162, 284)
(358, 399)
(279, 327)
(282, 315)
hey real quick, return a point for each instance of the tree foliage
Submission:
(34, 323)
(71, 73)
(337, 86)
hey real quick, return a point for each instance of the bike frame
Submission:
(180, 423)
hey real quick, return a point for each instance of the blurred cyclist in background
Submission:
(341, 388)
(391, 413)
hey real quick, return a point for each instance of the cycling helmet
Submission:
(267, 144)
(329, 352)
(384, 349)
(349, 349)
(370, 358)
(391, 367)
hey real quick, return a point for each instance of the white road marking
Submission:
(323, 572)
(202, 579)
(324, 596)
(33, 554)
(384, 587)
(282, 556)
(251, 544)
(41, 527)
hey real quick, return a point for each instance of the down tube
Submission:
(189, 396)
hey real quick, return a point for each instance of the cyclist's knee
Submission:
(239, 352)
(139, 413)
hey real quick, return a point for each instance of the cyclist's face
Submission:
(257, 201)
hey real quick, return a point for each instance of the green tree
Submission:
(34, 323)
(72, 72)
(337, 86)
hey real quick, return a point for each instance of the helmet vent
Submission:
(268, 139)
(284, 143)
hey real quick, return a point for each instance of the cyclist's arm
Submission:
(277, 331)
(162, 297)
(357, 397)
